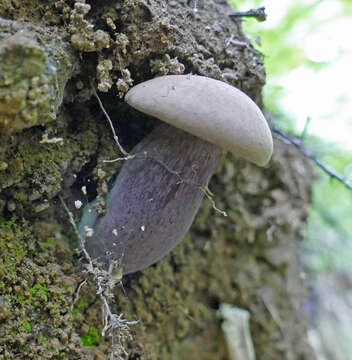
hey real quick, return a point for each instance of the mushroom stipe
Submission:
(149, 208)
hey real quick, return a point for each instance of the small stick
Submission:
(307, 153)
(259, 14)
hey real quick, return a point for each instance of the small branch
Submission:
(307, 153)
(259, 14)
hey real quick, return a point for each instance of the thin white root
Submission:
(116, 138)
(114, 325)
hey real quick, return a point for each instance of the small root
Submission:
(113, 324)
(116, 138)
(210, 196)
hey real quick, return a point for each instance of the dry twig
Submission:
(259, 14)
(288, 139)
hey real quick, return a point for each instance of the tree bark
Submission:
(53, 142)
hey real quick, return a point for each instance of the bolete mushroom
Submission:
(156, 195)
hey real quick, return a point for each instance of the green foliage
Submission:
(7, 224)
(91, 338)
(27, 326)
(281, 52)
(281, 48)
(329, 232)
(39, 289)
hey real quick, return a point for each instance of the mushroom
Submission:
(157, 194)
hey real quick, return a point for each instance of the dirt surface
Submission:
(248, 259)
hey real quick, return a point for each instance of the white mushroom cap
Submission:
(207, 108)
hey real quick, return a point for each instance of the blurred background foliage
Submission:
(307, 53)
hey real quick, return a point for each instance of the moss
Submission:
(7, 224)
(51, 242)
(38, 295)
(44, 340)
(11, 246)
(27, 326)
(39, 290)
(38, 167)
(92, 337)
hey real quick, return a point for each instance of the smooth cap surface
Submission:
(207, 108)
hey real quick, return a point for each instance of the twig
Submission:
(307, 153)
(259, 14)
